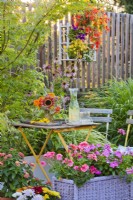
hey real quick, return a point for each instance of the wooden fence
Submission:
(114, 59)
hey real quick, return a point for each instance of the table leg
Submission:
(89, 132)
(63, 141)
(35, 156)
(45, 143)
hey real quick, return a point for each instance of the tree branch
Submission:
(32, 32)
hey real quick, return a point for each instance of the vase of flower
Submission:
(74, 110)
(50, 104)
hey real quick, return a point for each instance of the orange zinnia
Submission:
(36, 102)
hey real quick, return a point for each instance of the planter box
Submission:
(99, 188)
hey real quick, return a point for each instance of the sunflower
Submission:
(48, 101)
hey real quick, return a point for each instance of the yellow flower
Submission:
(44, 120)
(46, 196)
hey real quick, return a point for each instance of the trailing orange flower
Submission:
(87, 27)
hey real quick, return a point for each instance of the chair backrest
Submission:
(98, 111)
(129, 121)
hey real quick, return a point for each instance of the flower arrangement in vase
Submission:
(86, 161)
(50, 104)
(85, 33)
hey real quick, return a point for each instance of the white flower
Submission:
(38, 197)
(29, 192)
(22, 197)
(16, 194)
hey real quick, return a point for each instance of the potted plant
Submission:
(36, 193)
(14, 172)
(92, 172)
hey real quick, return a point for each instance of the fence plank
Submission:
(88, 76)
(98, 67)
(108, 49)
(131, 45)
(126, 45)
(83, 76)
(103, 57)
(117, 67)
(122, 45)
(93, 74)
(113, 45)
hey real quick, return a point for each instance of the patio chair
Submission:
(100, 115)
(129, 121)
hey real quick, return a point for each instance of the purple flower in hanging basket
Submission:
(81, 36)
(74, 27)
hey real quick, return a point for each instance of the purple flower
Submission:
(87, 149)
(106, 153)
(74, 27)
(46, 67)
(98, 172)
(80, 36)
(67, 98)
(118, 154)
(114, 164)
(121, 131)
(65, 85)
(92, 146)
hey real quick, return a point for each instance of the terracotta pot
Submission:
(6, 198)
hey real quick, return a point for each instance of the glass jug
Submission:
(74, 110)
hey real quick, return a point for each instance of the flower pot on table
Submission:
(99, 188)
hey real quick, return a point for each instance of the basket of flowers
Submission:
(85, 33)
(92, 172)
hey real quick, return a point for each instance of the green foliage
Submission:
(128, 5)
(14, 173)
(117, 95)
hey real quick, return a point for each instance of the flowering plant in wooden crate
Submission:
(85, 161)
(85, 33)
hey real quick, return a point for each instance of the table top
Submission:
(57, 127)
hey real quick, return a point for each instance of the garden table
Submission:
(53, 130)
